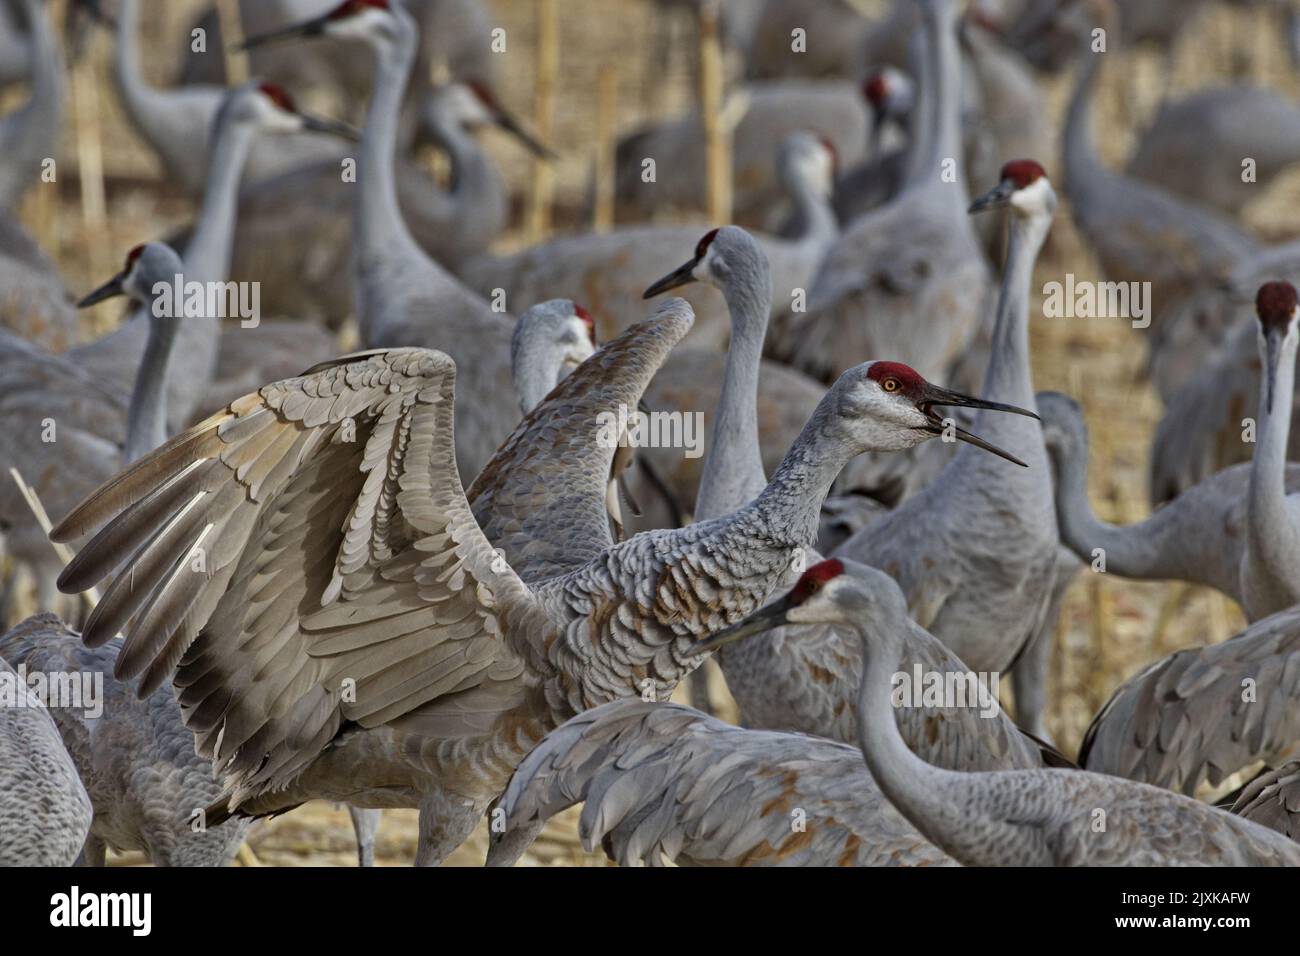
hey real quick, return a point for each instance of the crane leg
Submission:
(365, 823)
(1029, 675)
(446, 821)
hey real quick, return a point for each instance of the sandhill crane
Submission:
(1246, 513)
(976, 524)
(67, 431)
(610, 269)
(449, 696)
(772, 111)
(665, 781)
(44, 808)
(314, 280)
(1197, 144)
(1205, 713)
(907, 279)
(834, 30)
(402, 296)
(1045, 817)
(890, 94)
(550, 340)
(1273, 800)
(29, 135)
(1139, 232)
(177, 123)
(245, 112)
(135, 757)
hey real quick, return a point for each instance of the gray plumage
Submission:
(610, 270)
(44, 811)
(1139, 232)
(1204, 713)
(971, 551)
(1196, 145)
(30, 135)
(34, 304)
(1042, 817)
(1273, 800)
(907, 280)
(662, 781)
(178, 124)
(147, 785)
(1236, 531)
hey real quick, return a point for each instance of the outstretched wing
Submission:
(1203, 713)
(542, 497)
(307, 557)
(662, 780)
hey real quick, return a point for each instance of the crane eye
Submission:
(890, 384)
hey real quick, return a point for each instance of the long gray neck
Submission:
(793, 498)
(921, 792)
(733, 465)
(1132, 551)
(816, 222)
(943, 79)
(208, 253)
(1082, 166)
(137, 96)
(146, 423)
(536, 370)
(380, 230)
(1274, 536)
(32, 132)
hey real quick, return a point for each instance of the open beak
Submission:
(995, 198)
(764, 619)
(113, 287)
(295, 31)
(934, 395)
(680, 276)
(516, 129)
(331, 127)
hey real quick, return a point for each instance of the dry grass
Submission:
(1108, 627)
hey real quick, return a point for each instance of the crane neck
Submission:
(31, 133)
(1273, 534)
(794, 496)
(381, 231)
(1009, 377)
(208, 253)
(921, 792)
(146, 423)
(1081, 161)
(733, 464)
(137, 95)
(941, 101)
(815, 220)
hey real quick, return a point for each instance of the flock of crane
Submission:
(427, 575)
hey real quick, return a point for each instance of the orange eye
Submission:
(890, 385)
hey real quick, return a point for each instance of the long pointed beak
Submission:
(995, 198)
(331, 127)
(934, 395)
(516, 129)
(764, 619)
(295, 31)
(680, 276)
(113, 287)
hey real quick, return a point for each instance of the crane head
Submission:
(889, 93)
(888, 406)
(472, 104)
(351, 18)
(722, 256)
(271, 108)
(1023, 185)
(145, 266)
(1277, 306)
